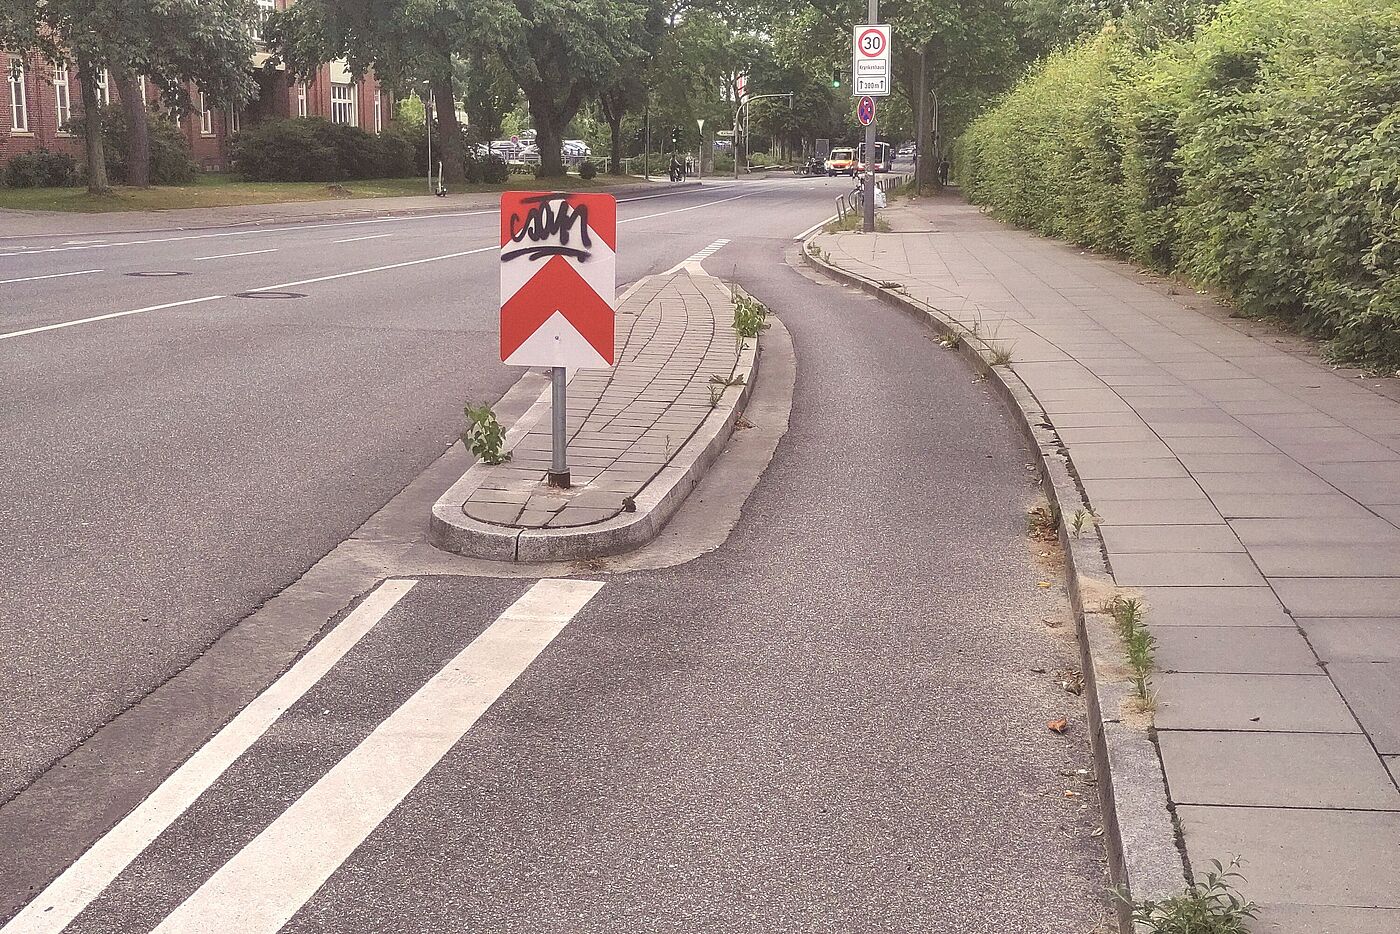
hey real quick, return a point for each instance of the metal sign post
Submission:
(870, 77)
(558, 284)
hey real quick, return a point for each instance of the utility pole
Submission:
(873, 16)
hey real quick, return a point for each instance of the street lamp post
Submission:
(428, 100)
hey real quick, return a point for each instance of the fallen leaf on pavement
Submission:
(1058, 726)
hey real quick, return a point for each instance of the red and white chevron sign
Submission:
(558, 279)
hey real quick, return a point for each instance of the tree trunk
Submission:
(92, 121)
(549, 137)
(454, 165)
(615, 163)
(926, 170)
(138, 130)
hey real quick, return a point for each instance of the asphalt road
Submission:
(167, 472)
(834, 722)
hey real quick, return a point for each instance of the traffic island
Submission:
(640, 435)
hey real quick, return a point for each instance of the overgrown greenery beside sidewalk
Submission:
(1258, 154)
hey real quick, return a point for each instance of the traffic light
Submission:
(675, 137)
(836, 79)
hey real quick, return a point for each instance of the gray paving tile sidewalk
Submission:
(674, 334)
(1251, 494)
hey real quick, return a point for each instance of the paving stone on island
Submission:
(639, 434)
(1250, 494)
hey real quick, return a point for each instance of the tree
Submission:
(408, 44)
(171, 42)
(563, 52)
(489, 92)
(624, 94)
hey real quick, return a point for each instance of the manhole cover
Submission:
(270, 295)
(156, 274)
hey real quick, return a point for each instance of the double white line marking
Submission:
(265, 883)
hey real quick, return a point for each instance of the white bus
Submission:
(884, 157)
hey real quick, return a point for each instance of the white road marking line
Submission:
(56, 275)
(232, 255)
(268, 881)
(245, 232)
(693, 207)
(115, 314)
(358, 239)
(249, 231)
(692, 262)
(65, 898)
(818, 225)
(361, 272)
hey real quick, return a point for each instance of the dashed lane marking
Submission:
(65, 898)
(232, 255)
(358, 239)
(268, 881)
(53, 275)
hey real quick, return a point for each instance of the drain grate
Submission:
(272, 294)
(156, 274)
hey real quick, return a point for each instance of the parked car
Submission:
(842, 162)
(577, 148)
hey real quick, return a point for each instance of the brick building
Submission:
(38, 98)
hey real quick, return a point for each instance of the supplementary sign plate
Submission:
(870, 68)
(558, 279)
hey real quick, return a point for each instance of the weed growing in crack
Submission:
(484, 435)
(1210, 906)
(716, 394)
(750, 316)
(1083, 519)
(1138, 643)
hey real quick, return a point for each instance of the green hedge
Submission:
(1261, 157)
(310, 149)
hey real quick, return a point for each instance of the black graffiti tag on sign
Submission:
(548, 224)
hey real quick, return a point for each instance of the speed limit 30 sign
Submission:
(871, 66)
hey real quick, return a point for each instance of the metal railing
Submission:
(853, 201)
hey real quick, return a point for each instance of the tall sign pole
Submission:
(870, 77)
(873, 14)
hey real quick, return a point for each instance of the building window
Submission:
(104, 87)
(265, 9)
(143, 89)
(206, 116)
(235, 119)
(63, 100)
(343, 108)
(19, 104)
(378, 113)
(301, 99)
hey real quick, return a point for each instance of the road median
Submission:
(641, 435)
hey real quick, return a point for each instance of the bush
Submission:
(587, 171)
(310, 149)
(171, 161)
(1260, 156)
(41, 169)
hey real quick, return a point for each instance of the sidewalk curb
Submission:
(1144, 856)
(453, 531)
(310, 216)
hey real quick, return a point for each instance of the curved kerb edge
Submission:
(451, 530)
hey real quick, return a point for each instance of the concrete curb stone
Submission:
(452, 530)
(1145, 856)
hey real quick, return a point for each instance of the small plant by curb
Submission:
(1128, 613)
(1042, 524)
(1001, 352)
(484, 435)
(750, 316)
(1211, 906)
(1083, 519)
(716, 394)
